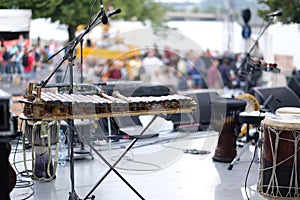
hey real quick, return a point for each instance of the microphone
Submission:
(115, 12)
(104, 18)
(274, 14)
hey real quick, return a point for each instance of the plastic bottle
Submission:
(62, 149)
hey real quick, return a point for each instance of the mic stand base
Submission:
(73, 196)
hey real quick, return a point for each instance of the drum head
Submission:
(281, 122)
(288, 110)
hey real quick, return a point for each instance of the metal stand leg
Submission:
(246, 146)
(73, 195)
(250, 140)
(112, 167)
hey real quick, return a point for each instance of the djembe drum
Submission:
(225, 113)
(280, 157)
(288, 111)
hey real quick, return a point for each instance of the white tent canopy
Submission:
(15, 20)
(47, 30)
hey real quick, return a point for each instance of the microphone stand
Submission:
(71, 48)
(72, 45)
(70, 57)
(245, 63)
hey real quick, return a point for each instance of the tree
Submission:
(77, 12)
(141, 10)
(290, 9)
(196, 9)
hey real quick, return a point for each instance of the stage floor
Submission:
(158, 168)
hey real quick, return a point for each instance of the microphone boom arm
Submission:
(72, 45)
(247, 58)
(264, 30)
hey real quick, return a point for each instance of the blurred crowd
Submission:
(171, 67)
(18, 57)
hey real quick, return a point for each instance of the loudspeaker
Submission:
(275, 97)
(294, 84)
(203, 113)
(136, 88)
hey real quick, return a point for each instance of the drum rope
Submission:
(37, 132)
(275, 188)
(24, 130)
(296, 161)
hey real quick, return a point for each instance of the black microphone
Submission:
(104, 18)
(115, 12)
(274, 14)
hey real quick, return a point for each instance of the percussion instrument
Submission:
(42, 135)
(225, 113)
(252, 105)
(43, 109)
(252, 102)
(43, 166)
(288, 111)
(49, 106)
(280, 164)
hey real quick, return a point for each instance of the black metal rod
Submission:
(73, 195)
(112, 167)
(71, 47)
(105, 175)
(81, 61)
(247, 58)
(256, 41)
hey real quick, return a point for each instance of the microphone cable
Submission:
(258, 144)
(20, 183)
(249, 168)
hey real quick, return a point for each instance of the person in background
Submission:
(174, 59)
(2, 43)
(29, 68)
(208, 53)
(116, 70)
(41, 60)
(195, 72)
(167, 55)
(240, 71)
(12, 66)
(213, 75)
(226, 74)
(21, 42)
(13, 49)
(52, 48)
(5, 58)
(197, 77)
(134, 65)
(3, 51)
(18, 61)
(152, 66)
